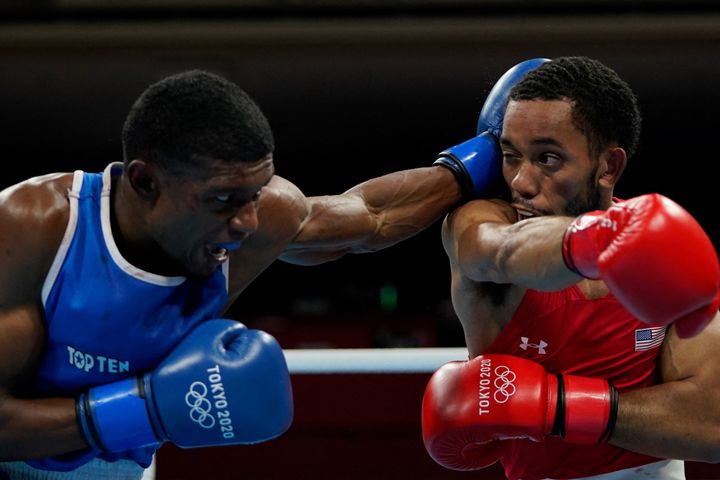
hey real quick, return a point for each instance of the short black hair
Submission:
(192, 117)
(605, 109)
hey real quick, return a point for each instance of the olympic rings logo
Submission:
(199, 405)
(504, 386)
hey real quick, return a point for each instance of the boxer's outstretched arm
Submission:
(385, 210)
(373, 215)
(33, 216)
(679, 418)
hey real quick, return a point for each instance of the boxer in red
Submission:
(591, 322)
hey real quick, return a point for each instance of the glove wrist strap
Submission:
(118, 417)
(579, 248)
(590, 409)
(87, 426)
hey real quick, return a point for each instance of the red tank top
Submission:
(568, 333)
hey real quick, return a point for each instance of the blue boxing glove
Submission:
(493, 110)
(477, 163)
(222, 385)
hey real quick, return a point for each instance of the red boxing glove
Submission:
(653, 256)
(469, 406)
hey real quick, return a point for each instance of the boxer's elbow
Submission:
(702, 433)
(708, 445)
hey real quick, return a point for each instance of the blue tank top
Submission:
(107, 319)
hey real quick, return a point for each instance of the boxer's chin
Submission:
(205, 261)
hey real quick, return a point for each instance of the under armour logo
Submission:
(540, 346)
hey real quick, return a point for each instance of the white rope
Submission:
(362, 360)
(371, 360)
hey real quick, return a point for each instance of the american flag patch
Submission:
(647, 338)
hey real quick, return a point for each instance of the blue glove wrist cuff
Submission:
(477, 163)
(118, 414)
(87, 428)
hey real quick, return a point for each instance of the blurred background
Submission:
(355, 89)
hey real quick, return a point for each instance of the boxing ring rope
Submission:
(370, 360)
(339, 361)
(344, 361)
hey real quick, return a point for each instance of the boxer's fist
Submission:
(477, 163)
(474, 404)
(222, 385)
(653, 256)
(492, 114)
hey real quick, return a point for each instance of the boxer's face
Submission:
(546, 160)
(199, 217)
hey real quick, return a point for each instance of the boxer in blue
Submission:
(112, 283)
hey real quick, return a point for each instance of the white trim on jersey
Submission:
(73, 195)
(120, 261)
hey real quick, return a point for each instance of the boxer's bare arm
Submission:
(488, 245)
(372, 215)
(33, 216)
(679, 418)
(676, 419)
(493, 260)
(281, 210)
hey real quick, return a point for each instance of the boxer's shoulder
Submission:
(33, 218)
(37, 195)
(472, 214)
(480, 211)
(281, 211)
(283, 208)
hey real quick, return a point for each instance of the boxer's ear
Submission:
(143, 178)
(612, 165)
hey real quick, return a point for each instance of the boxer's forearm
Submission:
(404, 203)
(38, 428)
(527, 253)
(373, 215)
(673, 420)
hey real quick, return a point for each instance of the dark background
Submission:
(353, 89)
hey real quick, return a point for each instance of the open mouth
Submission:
(220, 251)
(219, 254)
(524, 214)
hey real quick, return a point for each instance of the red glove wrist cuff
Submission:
(587, 409)
(579, 246)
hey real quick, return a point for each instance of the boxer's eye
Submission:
(549, 159)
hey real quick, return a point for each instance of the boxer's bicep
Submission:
(33, 219)
(695, 359)
(678, 418)
(22, 338)
(30, 426)
(331, 227)
(22, 333)
(470, 245)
